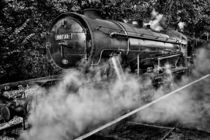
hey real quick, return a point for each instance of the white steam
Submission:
(81, 102)
(190, 107)
(77, 104)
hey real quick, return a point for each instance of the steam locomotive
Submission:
(74, 38)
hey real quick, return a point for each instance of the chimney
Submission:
(93, 13)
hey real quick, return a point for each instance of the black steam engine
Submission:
(74, 38)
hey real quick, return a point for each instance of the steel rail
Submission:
(150, 125)
(171, 129)
(168, 134)
(41, 79)
(139, 109)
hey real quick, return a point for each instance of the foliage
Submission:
(195, 13)
(24, 26)
(23, 29)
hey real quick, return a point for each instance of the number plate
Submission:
(63, 37)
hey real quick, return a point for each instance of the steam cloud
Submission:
(190, 107)
(78, 104)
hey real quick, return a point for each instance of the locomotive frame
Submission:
(142, 50)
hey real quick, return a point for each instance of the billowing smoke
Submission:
(188, 108)
(202, 61)
(80, 103)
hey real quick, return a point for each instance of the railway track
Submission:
(94, 132)
(41, 80)
(141, 131)
(122, 128)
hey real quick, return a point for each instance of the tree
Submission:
(193, 12)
